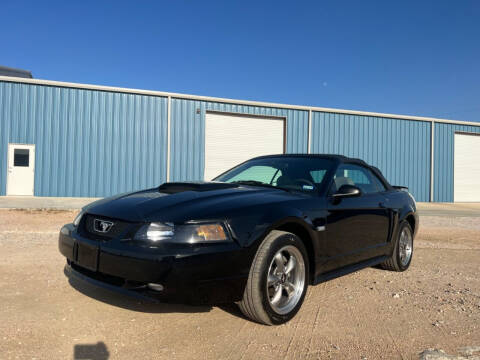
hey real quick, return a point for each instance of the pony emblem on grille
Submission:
(102, 226)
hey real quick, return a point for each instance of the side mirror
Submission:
(347, 191)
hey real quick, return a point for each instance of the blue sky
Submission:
(406, 57)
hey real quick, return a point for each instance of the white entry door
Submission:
(21, 169)
(466, 171)
(232, 139)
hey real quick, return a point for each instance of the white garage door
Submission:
(232, 139)
(467, 168)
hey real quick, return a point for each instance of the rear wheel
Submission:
(278, 280)
(403, 250)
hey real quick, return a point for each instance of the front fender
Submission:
(250, 230)
(252, 227)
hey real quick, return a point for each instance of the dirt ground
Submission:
(371, 314)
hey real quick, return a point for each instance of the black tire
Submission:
(255, 303)
(394, 263)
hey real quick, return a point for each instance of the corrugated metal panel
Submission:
(88, 143)
(229, 101)
(4, 130)
(187, 140)
(399, 148)
(443, 161)
(98, 143)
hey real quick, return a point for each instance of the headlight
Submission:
(78, 218)
(203, 233)
(186, 234)
(155, 232)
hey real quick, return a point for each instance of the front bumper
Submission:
(191, 274)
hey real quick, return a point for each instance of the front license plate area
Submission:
(87, 256)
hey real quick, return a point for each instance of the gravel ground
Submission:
(371, 314)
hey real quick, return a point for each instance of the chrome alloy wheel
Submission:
(286, 279)
(405, 246)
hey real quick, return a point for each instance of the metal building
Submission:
(8, 71)
(74, 140)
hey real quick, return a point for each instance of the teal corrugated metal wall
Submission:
(97, 143)
(87, 143)
(188, 133)
(399, 148)
(443, 160)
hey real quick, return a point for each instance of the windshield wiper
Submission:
(257, 183)
(250, 182)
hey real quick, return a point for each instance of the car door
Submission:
(357, 227)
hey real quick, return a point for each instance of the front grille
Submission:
(118, 229)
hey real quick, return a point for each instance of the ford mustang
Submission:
(257, 235)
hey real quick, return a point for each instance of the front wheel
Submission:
(278, 280)
(403, 250)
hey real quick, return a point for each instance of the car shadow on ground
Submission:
(98, 351)
(145, 305)
(132, 303)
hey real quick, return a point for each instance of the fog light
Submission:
(155, 287)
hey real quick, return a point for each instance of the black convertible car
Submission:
(258, 234)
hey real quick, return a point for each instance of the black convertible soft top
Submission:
(338, 158)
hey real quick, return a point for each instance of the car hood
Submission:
(180, 202)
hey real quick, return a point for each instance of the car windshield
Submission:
(289, 173)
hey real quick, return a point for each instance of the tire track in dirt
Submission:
(385, 328)
(249, 344)
(298, 320)
(319, 307)
(235, 349)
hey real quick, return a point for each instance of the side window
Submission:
(359, 176)
(378, 183)
(264, 174)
